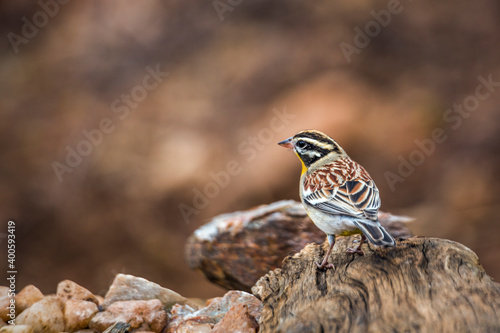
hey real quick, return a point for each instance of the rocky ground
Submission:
(131, 304)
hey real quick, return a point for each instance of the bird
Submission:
(338, 194)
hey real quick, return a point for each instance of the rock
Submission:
(100, 299)
(237, 320)
(183, 317)
(67, 290)
(2, 323)
(128, 287)
(235, 250)
(190, 327)
(142, 315)
(78, 313)
(421, 285)
(27, 297)
(45, 316)
(5, 309)
(16, 329)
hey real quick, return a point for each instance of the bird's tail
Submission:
(376, 234)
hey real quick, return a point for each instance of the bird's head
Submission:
(312, 146)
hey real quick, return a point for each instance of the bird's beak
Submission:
(287, 143)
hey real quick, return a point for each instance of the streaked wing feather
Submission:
(364, 196)
(349, 192)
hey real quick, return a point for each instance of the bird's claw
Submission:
(325, 266)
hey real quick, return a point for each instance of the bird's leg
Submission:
(358, 249)
(324, 264)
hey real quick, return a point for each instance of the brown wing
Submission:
(343, 187)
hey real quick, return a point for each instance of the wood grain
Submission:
(421, 285)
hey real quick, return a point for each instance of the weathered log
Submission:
(421, 285)
(234, 250)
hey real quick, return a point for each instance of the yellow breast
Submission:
(304, 168)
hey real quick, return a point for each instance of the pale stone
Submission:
(68, 289)
(141, 315)
(128, 287)
(16, 329)
(27, 297)
(189, 327)
(78, 313)
(183, 316)
(100, 299)
(45, 316)
(5, 303)
(237, 320)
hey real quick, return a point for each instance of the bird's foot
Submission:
(324, 266)
(356, 250)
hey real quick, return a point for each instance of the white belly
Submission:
(331, 224)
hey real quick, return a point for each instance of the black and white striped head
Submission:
(312, 146)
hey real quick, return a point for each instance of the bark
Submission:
(421, 285)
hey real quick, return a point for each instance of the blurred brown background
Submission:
(243, 75)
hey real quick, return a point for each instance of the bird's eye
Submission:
(301, 144)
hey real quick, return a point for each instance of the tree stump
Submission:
(421, 285)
